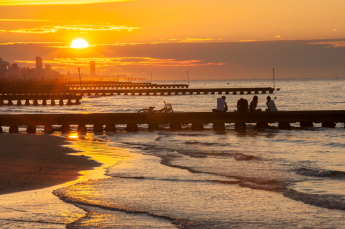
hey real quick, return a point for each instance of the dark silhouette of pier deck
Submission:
(197, 119)
(34, 92)
(178, 91)
(119, 85)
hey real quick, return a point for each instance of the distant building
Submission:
(39, 65)
(92, 68)
(4, 66)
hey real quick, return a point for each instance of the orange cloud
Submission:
(80, 28)
(329, 44)
(55, 2)
(22, 20)
(122, 61)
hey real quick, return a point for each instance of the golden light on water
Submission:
(79, 43)
(73, 136)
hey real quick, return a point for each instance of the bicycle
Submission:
(166, 109)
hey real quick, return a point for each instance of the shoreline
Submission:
(29, 162)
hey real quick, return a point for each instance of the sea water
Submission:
(267, 178)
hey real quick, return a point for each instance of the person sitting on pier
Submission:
(221, 105)
(242, 105)
(254, 104)
(270, 104)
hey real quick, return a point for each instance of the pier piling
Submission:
(31, 129)
(219, 126)
(110, 127)
(48, 129)
(98, 128)
(175, 126)
(197, 126)
(13, 129)
(132, 128)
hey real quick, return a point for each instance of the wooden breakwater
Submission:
(107, 121)
(84, 85)
(179, 91)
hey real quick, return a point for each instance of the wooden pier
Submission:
(73, 92)
(107, 121)
(178, 91)
(40, 99)
(119, 85)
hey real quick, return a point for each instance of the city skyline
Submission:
(210, 39)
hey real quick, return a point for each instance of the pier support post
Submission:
(132, 128)
(13, 129)
(262, 125)
(175, 126)
(19, 102)
(284, 125)
(1, 102)
(65, 128)
(27, 102)
(69, 102)
(110, 127)
(197, 126)
(81, 128)
(97, 128)
(61, 102)
(52, 102)
(10, 103)
(329, 124)
(219, 126)
(44, 102)
(48, 129)
(35, 102)
(169, 93)
(0, 129)
(240, 126)
(31, 129)
(234, 92)
(153, 126)
(77, 102)
(306, 124)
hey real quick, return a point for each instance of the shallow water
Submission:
(205, 179)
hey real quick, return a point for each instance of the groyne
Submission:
(108, 121)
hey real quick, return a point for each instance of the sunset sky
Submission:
(212, 39)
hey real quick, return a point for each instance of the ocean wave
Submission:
(244, 157)
(321, 173)
(193, 142)
(325, 201)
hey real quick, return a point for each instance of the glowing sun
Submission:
(79, 43)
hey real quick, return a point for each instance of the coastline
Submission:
(29, 162)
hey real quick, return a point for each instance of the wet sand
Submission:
(30, 162)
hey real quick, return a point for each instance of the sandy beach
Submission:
(30, 162)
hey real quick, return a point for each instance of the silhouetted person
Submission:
(242, 105)
(254, 104)
(270, 104)
(221, 105)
